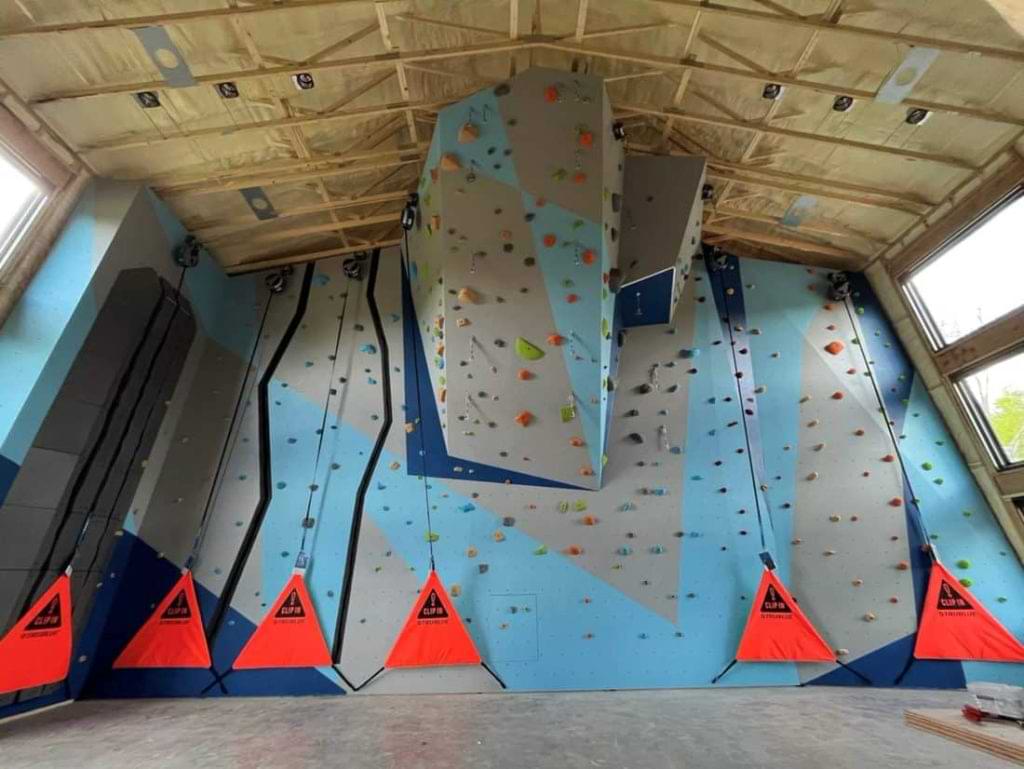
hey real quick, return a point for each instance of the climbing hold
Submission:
(903, 566)
(837, 396)
(588, 256)
(577, 441)
(895, 502)
(369, 349)
(689, 352)
(526, 350)
(542, 550)
(450, 162)
(966, 581)
(812, 476)
(589, 520)
(579, 177)
(963, 563)
(462, 322)
(894, 599)
(556, 340)
(572, 298)
(551, 94)
(869, 617)
(657, 550)
(550, 240)
(468, 295)
(835, 518)
(889, 458)
(508, 520)
(524, 418)
(498, 536)
(926, 465)
(573, 550)
(624, 550)
(431, 536)
(834, 348)
(468, 132)
(585, 138)
(482, 568)
(858, 582)
(586, 471)
(636, 438)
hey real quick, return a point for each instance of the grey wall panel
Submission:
(26, 530)
(42, 479)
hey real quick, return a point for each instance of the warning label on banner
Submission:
(433, 634)
(291, 608)
(956, 626)
(777, 630)
(37, 650)
(432, 608)
(173, 636)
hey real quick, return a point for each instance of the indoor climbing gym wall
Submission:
(548, 426)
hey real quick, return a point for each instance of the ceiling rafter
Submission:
(403, 81)
(281, 260)
(287, 233)
(783, 241)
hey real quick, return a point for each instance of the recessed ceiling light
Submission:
(842, 103)
(707, 192)
(147, 99)
(228, 89)
(303, 81)
(917, 115)
(772, 91)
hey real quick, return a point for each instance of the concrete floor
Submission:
(691, 729)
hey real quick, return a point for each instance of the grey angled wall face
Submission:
(69, 500)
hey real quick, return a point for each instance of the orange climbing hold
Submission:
(777, 630)
(524, 375)
(577, 441)
(573, 550)
(837, 396)
(835, 347)
(579, 177)
(588, 256)
(524, 418)
(550, 240)
(572, 298)
(435, 222)
(896, 502)
(586, 139)
(551, 94)
(450, 162)
(589, 520)
(556, 340)
(433, 634)
(956, 626)
(442, 394)
(586, 471)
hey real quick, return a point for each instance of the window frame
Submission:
(914, 299)
(976, 415)
(21, 222)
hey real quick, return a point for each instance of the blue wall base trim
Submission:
(882, 666)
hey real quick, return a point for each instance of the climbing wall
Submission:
(520, 207)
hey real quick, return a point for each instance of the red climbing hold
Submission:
(556, 340)
(524, 418)
(37, 650)
(572, 298)
(588, 256)
(956, 626)
(579, 177)
(173, 635)
(573, 550)
(896, 502)
(433, 634)
(889, 458)
(550, 240)
(524, 375)
(289, 635)
(577, 441)
(835, 347)
(837, 396)
(777, 630)
(586, 139)
(551, 94)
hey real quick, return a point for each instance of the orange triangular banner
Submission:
(955, 625)
(289, 635)
(37, 650)
(173, 635)
(778, 631)
(433, 633)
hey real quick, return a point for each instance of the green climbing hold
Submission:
(526, 350)
(926, 465)
(431, 536)
(1001, 599)
(563, 507)
(963, 563)
(966, 582)
(580, 505)
(605, 329)
(542, 550)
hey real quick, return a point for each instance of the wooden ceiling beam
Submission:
(749, 125)
(268, 262)
(943, 44)
(412, 18)
(215, 228)
(287, 233)
(812, 228)
(342, 44)
(783, 242)
(688, 64)
(181, 17)
(630, 30)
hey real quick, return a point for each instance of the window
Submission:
(976, 277)
(994, 396)
(21, 198)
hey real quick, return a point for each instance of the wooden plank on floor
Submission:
(1002, 739)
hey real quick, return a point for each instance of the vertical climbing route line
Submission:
(230, 439)
(860, 343)
(755, 482)
(371, 465)
(307, 521)
(266, 470)
(419, 417)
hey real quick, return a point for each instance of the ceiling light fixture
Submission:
(147, 99)
(303, 81)
(842, 103)
(772, 91)
(228, 90)
(917, 115)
